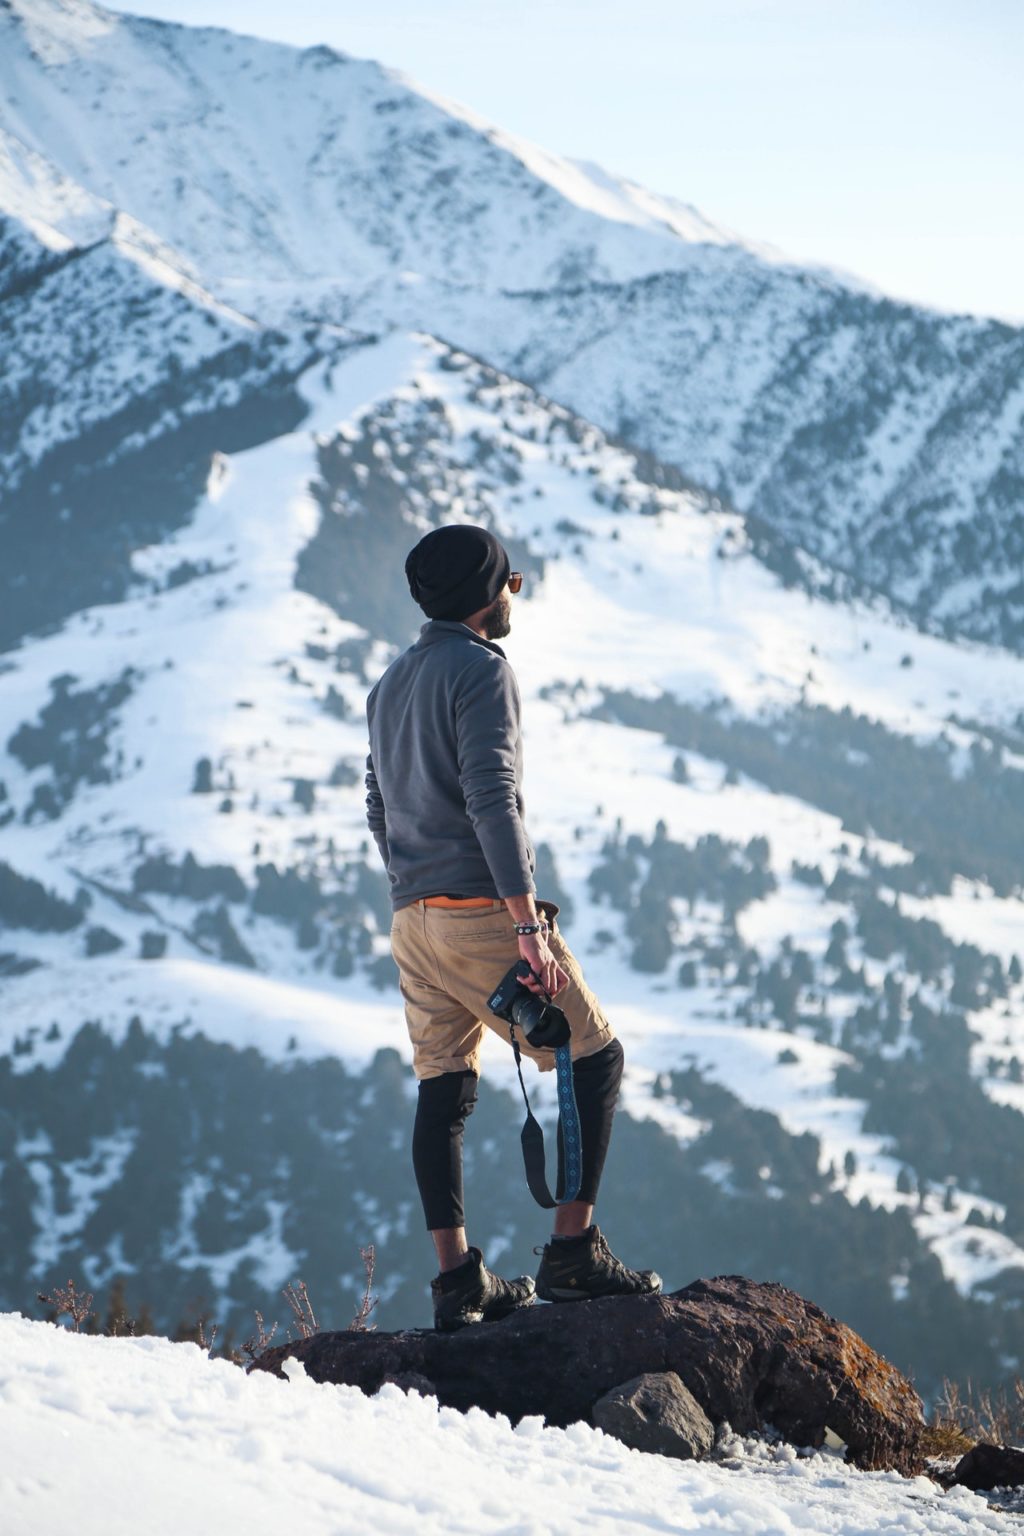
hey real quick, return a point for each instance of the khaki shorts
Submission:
(450, 960)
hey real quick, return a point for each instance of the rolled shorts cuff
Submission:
(425, 1065)
(437, 1067)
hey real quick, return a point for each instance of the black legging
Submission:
(445, 1102)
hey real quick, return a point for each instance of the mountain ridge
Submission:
(885, 439)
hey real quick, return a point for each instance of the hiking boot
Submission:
(471, 1294)
(584, 1268)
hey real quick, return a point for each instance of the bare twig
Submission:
(361, 1323)
(256, 1343)
(297, 1298)
(69, 1302)
(201, 1339)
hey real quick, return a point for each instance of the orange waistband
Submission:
(458, 901)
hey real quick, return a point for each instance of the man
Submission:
(444, 803)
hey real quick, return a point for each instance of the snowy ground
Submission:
(203, 1447)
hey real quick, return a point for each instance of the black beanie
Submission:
(456, 570)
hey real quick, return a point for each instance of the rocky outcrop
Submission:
(988, 1466)
(655, 1412)
(752, 1355)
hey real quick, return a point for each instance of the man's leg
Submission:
(446, 1040)
(443, 1106)
(577, 1263)
(573, 1218)
(596, 1080)
(465, 1291)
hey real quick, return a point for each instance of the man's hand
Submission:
(533, 947)
(548, 977)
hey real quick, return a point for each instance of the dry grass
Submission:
(69, 1301)
(945, 1442)
(962, 1419)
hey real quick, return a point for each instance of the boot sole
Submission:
(474, 1319)
(558, 1293)
(454, 1327)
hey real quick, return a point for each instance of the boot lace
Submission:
(508, 1290)
(616, 1266)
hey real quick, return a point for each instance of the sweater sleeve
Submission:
(375, 819)
(487, 726)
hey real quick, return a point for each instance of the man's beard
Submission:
(498, 619)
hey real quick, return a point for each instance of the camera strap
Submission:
(568, 1132)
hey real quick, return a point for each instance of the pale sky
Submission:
(885, 137)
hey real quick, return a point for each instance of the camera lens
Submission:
(528, 1011)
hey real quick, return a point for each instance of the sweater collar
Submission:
(443, 629)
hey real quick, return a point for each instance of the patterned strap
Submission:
(569, 1129)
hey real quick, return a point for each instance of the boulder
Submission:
(655, 1412)
(988, 1466)
(752, 1355)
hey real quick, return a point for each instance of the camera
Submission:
(544, 1026)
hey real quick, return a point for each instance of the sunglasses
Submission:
(515, 581)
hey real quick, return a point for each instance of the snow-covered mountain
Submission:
(886, 439)
(785, 824)
(121, 375)
(140, 332)
(763, 957)
(304, 170)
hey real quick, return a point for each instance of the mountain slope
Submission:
(207, 892)
(121, 376)
(886, 439)
(140, 331)
(362, 176)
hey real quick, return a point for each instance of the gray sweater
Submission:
(444, 775)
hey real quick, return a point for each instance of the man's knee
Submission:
(447, 1099)
(601, 1073)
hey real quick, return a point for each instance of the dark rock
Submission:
(655, 1412)
(751, 1354)
(990, 1466)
